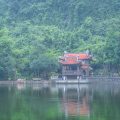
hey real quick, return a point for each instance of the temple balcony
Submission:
(71, 72)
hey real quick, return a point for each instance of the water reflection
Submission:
(21, 86)
(60, 102)
(75, 100)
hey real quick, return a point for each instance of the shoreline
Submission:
(24, 82)
(87, 80)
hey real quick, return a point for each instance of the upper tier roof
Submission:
(74, 58)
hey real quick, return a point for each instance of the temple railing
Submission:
(71, 72)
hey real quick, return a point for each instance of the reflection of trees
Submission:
(106, 103)
(5, 100)
(27, 105)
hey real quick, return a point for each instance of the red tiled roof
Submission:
(81, 56)
(71, 58)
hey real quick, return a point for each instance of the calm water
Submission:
(61, 102)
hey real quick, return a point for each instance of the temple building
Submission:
(75, 65)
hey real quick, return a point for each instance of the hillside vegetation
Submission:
(33, 33)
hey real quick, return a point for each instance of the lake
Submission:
(60, 102)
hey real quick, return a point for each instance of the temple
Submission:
(75, 65)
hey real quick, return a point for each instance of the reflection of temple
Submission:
(20, 86)
(75, 101)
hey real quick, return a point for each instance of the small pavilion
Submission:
(75, 65)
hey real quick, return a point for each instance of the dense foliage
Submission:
(33, 33)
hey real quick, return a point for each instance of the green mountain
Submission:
(33, 33)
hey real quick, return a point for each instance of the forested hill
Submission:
(61, 13)
(33, 33)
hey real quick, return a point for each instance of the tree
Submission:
(7, 61)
